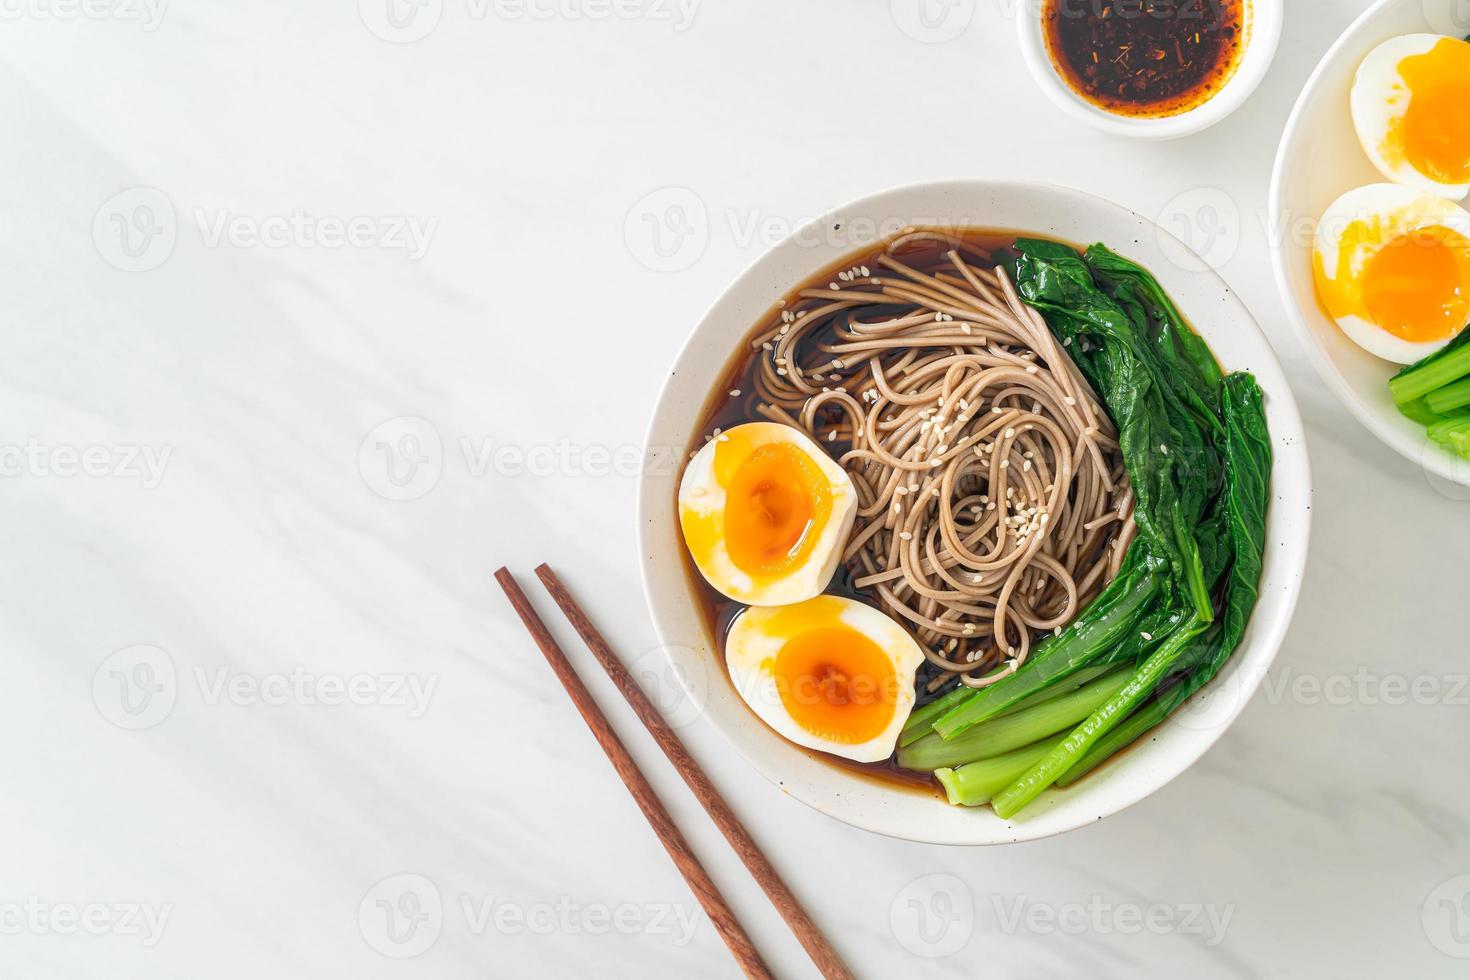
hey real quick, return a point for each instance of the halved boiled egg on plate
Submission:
(830, 673)
(1393, 269)
(766, 513)
(1411, 109)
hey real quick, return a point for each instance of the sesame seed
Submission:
(734, 392)
(1146, 636)
(905, 536)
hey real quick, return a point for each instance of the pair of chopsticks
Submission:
(705, 891)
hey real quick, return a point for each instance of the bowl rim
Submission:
(1261, 46)
(1288, 431)
(1421, 451)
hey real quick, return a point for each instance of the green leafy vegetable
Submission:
(1013, 730)
(1452, 396)
(1248, 463)
(976, 783)
(1446, 365)
(1198, 455)
(1071, 749)
(1435, 392)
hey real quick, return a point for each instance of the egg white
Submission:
(1380, 96)
(755, 639)
(700, 494)
(1401, 210)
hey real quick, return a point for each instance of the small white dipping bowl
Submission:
(1263, 34)
(1051, 212)
(1320, 159)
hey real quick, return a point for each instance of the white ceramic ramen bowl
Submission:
(1319, 160)
(1263, 35)
(1067, 215)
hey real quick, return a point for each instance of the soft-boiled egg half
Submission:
(1393, 269)
(830, 673)
(766, 514)
(1411, 108)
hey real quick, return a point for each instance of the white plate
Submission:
(1319, 160)
(1054, 212)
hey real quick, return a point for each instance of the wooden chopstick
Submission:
(699, 881)
(806, 931)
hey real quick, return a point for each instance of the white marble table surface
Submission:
(265, 712)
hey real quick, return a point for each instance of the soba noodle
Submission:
(993, 500)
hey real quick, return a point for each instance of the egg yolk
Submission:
(1433, 135)
(1415, 287)
(777, 500)
(837, 684)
